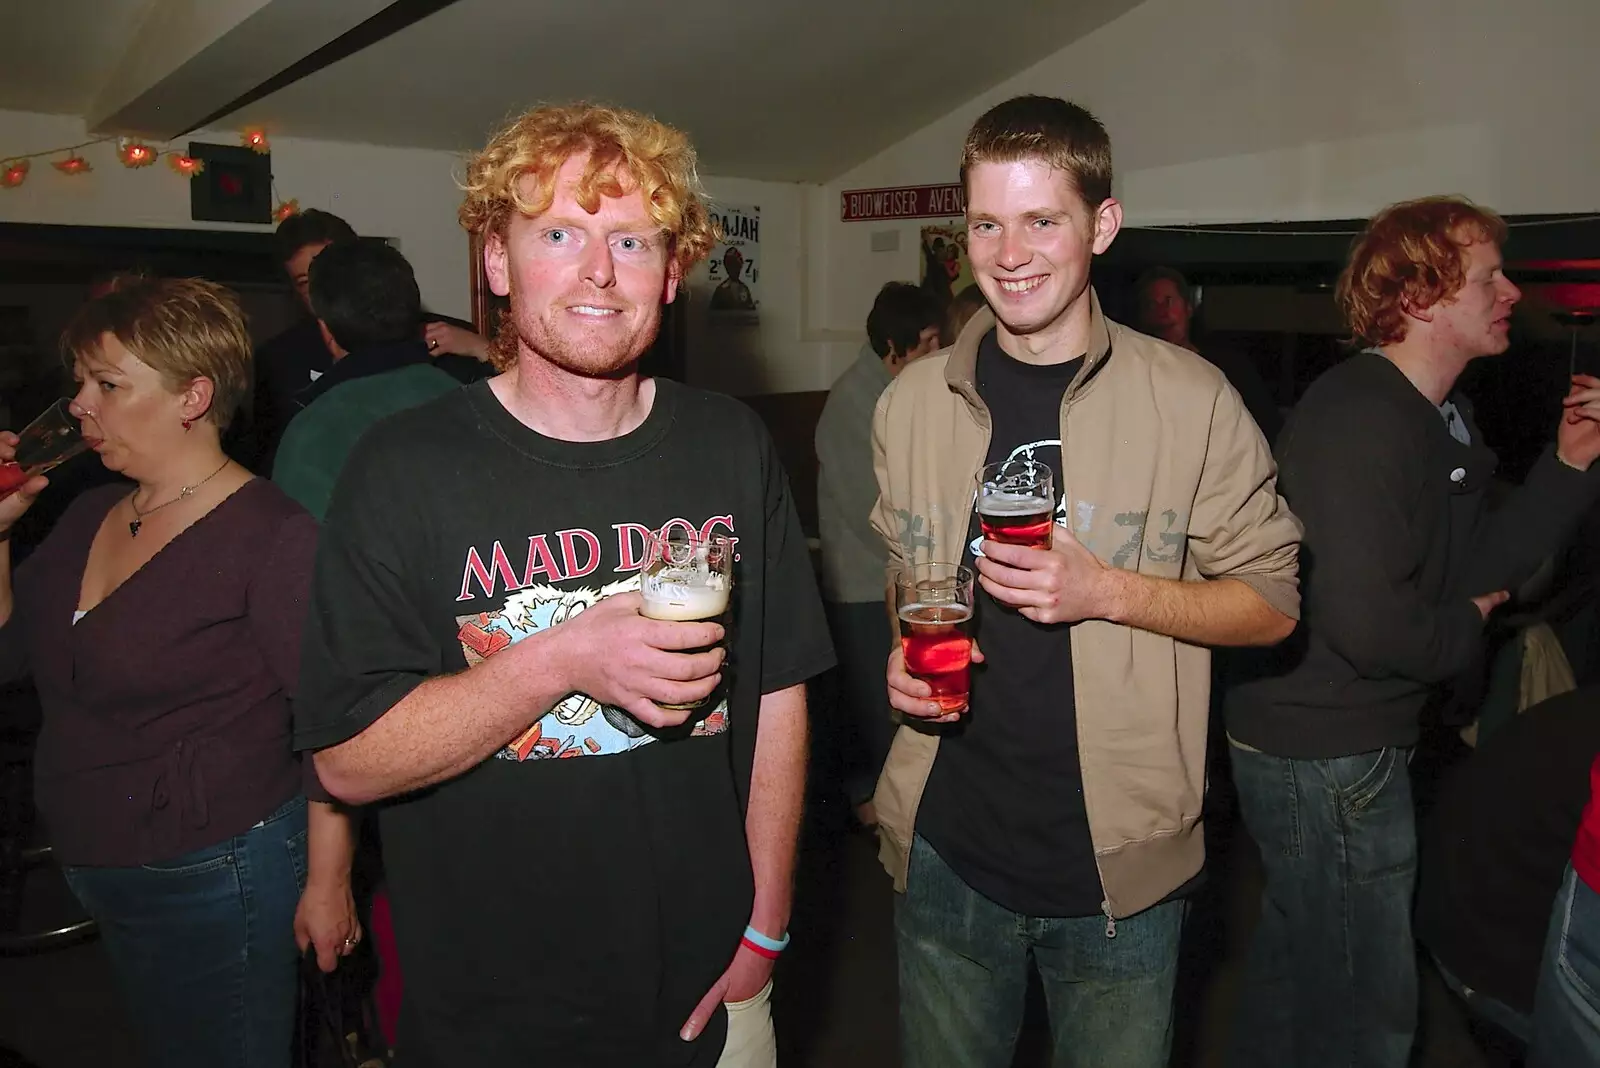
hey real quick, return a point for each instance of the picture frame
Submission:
(235, 186)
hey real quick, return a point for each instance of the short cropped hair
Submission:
(1156, 274)
(185, 328)
(900, 315)
(310, 227)
(1047, 128)
(366, 293)
(1412, 254)
(624, 146)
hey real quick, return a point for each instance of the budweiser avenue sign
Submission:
(904, 202)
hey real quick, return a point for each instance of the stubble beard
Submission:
(539, 338)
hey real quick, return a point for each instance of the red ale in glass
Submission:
(938, 650)
(12, 478)
(1017, 519)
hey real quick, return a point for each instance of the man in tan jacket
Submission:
(1058, 819)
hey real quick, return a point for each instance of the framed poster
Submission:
(736, 262)
(946, 270)
(236, 185)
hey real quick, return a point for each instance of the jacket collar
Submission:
(961, 369)
(363, 363)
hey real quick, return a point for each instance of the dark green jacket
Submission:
(363, 390)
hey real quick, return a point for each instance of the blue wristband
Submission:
(773, 945)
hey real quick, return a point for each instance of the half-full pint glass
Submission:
(686, 579)
(934, 603)
(1016, 503)
(52, 439)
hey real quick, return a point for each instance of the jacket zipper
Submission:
(1111, 922)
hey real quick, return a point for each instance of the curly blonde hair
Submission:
(1412, 253)
(627, 150)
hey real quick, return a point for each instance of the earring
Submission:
(187, 423)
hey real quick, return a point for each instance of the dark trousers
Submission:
(862, 638)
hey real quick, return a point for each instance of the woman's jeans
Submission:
(203, 945)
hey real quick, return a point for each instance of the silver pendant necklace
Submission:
(184, 494)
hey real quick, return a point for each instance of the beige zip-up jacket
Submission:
(1166, 474)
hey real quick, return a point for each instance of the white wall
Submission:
(1250, 110)
(411, 195)
(406, 194)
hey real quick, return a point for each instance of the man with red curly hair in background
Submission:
(1402, 564)
(582, 870)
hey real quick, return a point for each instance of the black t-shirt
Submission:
(569, 900)
(1004, 803)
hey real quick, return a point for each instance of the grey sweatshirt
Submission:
(853, 555)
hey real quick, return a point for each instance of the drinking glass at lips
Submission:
(1016, 503)
(47, 442)
(686, 579)
(934, 605)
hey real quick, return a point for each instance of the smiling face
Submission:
(1475, 320)
(1031, 240)
(586, 288)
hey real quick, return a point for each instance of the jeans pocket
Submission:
(1361, 793)
(1578, 952)
(296, 844)
(201, 861)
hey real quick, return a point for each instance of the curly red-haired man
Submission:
(589, 816)
(1403, 563)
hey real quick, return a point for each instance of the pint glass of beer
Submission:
(686, 579)
(1016, 503)
(934, 603)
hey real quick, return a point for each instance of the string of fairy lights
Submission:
(133, 153)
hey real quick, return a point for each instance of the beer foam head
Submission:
(942, 613)
(685, 603)
(1002, 503)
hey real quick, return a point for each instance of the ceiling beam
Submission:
(191, 57)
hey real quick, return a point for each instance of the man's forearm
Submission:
(777, 797)
(1537, 520)
(330, 843)
(1220, 612)
(443, 728)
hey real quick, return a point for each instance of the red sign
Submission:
(903, 202)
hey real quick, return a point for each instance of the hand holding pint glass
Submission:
(686, 579)
(53, 438)
(1016, 503)
(934, 605)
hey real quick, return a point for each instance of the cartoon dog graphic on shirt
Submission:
(571, 728)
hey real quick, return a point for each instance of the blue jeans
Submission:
(964, 977)
(1566, 1009)
(1331, 978)
(203, 945)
